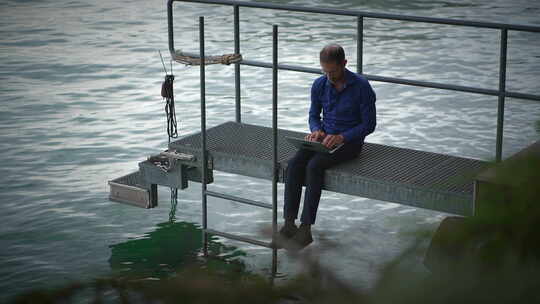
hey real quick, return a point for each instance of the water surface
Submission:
(80, 105)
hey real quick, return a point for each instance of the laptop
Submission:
(301, 143)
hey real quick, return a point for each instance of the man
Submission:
(347, 102)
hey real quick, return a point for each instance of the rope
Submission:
(168, 95)
(223, 59)
(172, 132)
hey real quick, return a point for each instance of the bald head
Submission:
(332, 53)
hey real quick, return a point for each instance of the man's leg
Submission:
(314, 181)
(294, 180)
(295, 176)
(315, 177)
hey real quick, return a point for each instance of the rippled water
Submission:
(80, 84)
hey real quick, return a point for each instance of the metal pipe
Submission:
(418, 83)
(274, 143)
(239, 238)
(237, 65)
(238, 199)
(204, 157)
(359, 44)
(502, 88)
(332, 11)
(522, 95)
(434, 85)
(170, 27)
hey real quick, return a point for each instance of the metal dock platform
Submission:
(411, 177)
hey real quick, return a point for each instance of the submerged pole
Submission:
(203, 137)
(502, 88)
(274, 144)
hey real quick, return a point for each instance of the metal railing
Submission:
(503, 27)
(500, 92)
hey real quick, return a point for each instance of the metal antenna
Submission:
(163, 62)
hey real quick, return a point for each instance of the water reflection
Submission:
(170, 248)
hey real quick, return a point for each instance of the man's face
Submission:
(334, 71)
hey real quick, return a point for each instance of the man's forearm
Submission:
(358, 131)
(315, 118)
(315, 124)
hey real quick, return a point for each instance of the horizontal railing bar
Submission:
(286, 67)
(239, 238)
(522, 96)
(434, 85)
(238, 199)
(341, 12)
(418, 83)
(380, 78)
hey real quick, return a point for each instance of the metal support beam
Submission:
(359, 44)
(204, 157)
(502, 88)
(170, 27)
(275, 169)
(353, 13)
(237, 65)
(238, 238)
(238, 199)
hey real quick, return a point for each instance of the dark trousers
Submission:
(307, 167)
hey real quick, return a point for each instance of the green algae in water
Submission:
(171, 247)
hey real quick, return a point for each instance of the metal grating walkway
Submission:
(411, 177)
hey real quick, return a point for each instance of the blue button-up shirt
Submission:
(350, 112)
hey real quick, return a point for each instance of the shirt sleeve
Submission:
(315, 108)
(369, 116)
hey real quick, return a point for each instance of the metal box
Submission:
(176, 177)
(130, 189)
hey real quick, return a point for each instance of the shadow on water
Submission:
(170, 248)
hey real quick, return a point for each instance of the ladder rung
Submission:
(238, 199)
(239, 238)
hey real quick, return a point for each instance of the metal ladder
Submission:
(204, 159)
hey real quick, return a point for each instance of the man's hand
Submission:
(331, 141)
(315, 136)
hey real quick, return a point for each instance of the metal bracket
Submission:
(173, 169)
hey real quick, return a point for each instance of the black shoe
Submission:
(301, 239)
(285, 234)
(288, 231)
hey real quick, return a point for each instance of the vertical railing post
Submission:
(359, 44)
(274, 144)
(502, 89)
(204, 161)
(170, 27)
(237, 65)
